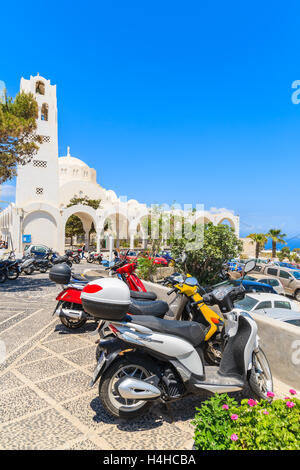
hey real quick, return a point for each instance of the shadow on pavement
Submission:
(89, 327)
(25, 284)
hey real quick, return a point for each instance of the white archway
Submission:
(87, 215)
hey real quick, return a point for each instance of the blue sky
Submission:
(172, 101)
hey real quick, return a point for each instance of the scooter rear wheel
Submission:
(3, 276)
(28, 271)
(113, 403)
(12, 274)
(71, 323)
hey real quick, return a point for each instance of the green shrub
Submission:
(266, 425)
(146, 268)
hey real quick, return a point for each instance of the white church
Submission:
(45, 187)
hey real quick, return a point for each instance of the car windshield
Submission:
(296, 274)
(247, 303)
(293, 322)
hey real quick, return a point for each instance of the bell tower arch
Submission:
(37, 182)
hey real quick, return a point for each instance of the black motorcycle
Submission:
(55, 258)
(11, 269)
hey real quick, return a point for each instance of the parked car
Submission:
(235, 266)
(38, 251)
(287, 265)
(282, 314)
(249, 285)
(261, 300)
(271, 281)
(130, 255)
(290, 279)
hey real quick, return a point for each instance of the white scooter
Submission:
(154, 359)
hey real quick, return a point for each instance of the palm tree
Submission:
(277, 237)
(260, 239)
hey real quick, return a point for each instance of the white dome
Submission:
(68, 161)
(71, 161)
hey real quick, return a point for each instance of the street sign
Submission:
(26, 238)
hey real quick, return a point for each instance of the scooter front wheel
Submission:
(260, 376)
(114, 404)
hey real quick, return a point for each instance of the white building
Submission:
(46, 185)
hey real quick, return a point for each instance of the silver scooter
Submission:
(153, 359)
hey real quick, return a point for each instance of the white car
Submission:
(261, 300)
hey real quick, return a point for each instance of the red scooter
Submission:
(69, 307)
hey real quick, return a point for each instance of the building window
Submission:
(40, 163)
(40, 88)
(44, 112)
(39, 191)
(45, 138)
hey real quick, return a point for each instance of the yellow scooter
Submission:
(189, 307)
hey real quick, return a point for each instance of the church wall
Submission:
(42, 227)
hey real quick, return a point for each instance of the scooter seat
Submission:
(143, 295)
(157, 308)
(192, 331)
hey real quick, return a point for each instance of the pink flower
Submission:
(225, 407)
(286, 398)
(265, 412)
(233, 437)
(290, 404)
(234, 417)
(292, 391)
(252, 402)
(270, 394)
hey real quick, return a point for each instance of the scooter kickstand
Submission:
(169, 411)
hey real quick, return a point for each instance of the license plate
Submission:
(97, 371)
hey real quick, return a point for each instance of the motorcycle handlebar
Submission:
(171, 291)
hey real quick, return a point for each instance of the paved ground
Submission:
(45, 402)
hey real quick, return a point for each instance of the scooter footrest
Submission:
(213, 377)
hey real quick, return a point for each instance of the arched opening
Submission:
(80, 229)
(116, 225)
(227, 221)
(42, 227)
(44, 112)
(40, 87)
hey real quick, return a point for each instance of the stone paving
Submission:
(45, 401)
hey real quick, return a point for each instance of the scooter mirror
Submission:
(191, 281)
(249, 266)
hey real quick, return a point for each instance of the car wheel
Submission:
(297, 295)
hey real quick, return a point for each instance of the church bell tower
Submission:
(37, 182)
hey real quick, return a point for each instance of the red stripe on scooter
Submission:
(92, 288)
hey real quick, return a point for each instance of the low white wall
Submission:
(280, 342)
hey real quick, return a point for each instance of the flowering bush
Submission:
(221, 423)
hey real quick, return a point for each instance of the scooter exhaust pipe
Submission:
(65, 312)
(135, 389)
